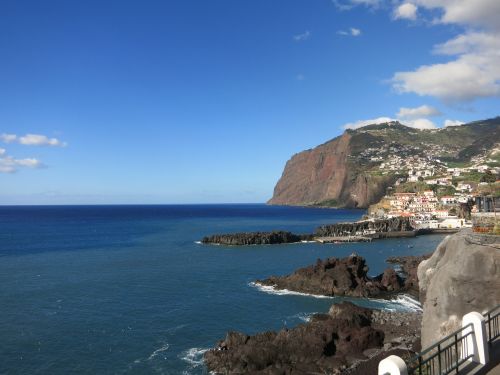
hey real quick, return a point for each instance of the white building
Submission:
(464, 187)
(447, 199)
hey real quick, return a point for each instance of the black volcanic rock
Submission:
(338, 277)
(395, 224)
(255, 238)
(327, 342)
(409, 266)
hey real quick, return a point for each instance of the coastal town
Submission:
(434, 194)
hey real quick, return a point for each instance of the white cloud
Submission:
(418, 112)
(474, 69)
(8, 138)
(472, 42)
(453, 123)
(6, 168)
(419, 123)
(29, 162)
(355, 32)
(362, 123)
(406, 11)
(412, 117)
(483, 13)
(352, 32)
(302, 37)
(39, 140)
(2, 151)
(472, 75)
(8, 164)
(32, 140)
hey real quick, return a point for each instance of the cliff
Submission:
(463, 275)
(348, 171)
(324, 176)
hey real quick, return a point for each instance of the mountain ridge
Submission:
(348, 170)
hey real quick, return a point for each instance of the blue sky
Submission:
(204, 101)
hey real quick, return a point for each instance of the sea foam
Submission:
(402, 302)
(283, 292)
(193, 356)
(304, 317)
(407, 302)
(157, 352)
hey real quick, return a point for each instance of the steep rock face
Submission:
(365, 190)
(314, 175)
(463, 275)
(347, 171)
(324, 175)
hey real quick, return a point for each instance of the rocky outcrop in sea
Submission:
(256, 238)
(348, 340)
(338, 277)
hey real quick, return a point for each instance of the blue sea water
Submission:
(127, 290)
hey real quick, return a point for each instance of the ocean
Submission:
(128, 290)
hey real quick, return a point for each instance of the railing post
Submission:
(489, 326)
(478, 346)
(392, 365)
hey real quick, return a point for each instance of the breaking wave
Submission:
(303, 317)
(407, 302)
(282, 292)
(402, 302)
(193, 356)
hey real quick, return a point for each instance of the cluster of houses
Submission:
(426, 210)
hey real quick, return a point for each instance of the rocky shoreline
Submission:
(342, 277)
(368, 229)
(341, 341)
(347, 340)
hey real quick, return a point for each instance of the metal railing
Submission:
(445, 356)
(492, 321)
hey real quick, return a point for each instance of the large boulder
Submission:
(463, 275)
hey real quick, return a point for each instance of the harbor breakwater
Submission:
(364, 230)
